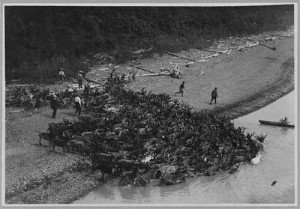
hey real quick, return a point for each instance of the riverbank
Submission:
(246, 79)
(249, 79)
(250, 185)
(282, 86)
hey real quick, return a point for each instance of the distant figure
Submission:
(38, 102)
(181, 87)
(284, 121)
(214, 96)
(87, 89)
(54, 104)
(61, 75)
(80, 78)
(78, 105)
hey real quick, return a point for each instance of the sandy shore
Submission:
(246, 81)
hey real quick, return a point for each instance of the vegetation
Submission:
(39, 40)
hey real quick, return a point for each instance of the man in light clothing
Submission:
(78, 105)
(61, 75)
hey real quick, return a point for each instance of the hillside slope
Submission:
(39, 40)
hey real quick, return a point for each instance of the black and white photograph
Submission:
(132, 105)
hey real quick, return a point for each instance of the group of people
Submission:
(54, 104)
(214, 93)
(62, 77)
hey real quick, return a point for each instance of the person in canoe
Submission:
(284, 120)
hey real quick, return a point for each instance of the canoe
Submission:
(275, 123)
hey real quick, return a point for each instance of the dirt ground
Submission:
(246, 80)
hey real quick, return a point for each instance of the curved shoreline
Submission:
(87, 182)
(282, 86)
(83, 182)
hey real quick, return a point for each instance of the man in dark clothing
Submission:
(38, 102)
(80, 77)
(87, 90)
(54, 104)
(181, 87)
(214, 96)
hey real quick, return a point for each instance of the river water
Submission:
(251, 184)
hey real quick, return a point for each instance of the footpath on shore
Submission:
(246, 81)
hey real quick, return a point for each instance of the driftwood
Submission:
(262, 44)
(19, 85)
(220, 52)
(102, 69)
(247, 46)
(213, 55)
(185, 58)
(154, 74)
(273, 48)
(145, 70)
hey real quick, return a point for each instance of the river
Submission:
(250, 185)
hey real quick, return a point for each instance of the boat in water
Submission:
(275, 123)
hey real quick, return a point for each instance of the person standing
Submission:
(38, 101)
(214, 96)
(54, 104)
(80, 78)
(181, 87)
(87, 89)
(78, 105)
(61, 75)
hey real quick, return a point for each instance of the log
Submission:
(273, 48)
(220, 52)
(154, 74)
(213, 55)
(185, 58)
(145, 70)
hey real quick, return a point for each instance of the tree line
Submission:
(41, 39)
